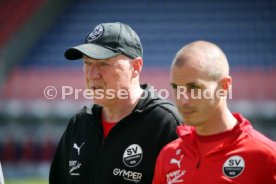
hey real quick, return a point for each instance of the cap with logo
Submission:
(108, 40)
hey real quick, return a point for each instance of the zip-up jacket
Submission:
(244, 157)
(126, 156)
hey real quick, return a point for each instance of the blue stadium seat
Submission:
(245, 31)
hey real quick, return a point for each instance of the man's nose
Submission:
(182, 97)
(94, 71)
(185, 100)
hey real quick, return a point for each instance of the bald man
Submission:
(214, 145)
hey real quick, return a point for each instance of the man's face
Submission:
(106, 77)
(194, 93)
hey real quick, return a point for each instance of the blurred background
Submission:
(35, 33)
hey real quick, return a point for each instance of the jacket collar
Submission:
(188, 133)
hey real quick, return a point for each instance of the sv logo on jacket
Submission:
(233, 166)
(132, 156)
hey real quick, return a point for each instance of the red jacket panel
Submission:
(246, 156)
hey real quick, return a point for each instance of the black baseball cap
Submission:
(107, 40)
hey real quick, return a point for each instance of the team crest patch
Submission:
(132, 155)
(74, 167)
(96, 33)
(233, 166)
(175, 176)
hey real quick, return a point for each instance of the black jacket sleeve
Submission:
(59, 167)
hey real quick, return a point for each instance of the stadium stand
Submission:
(13, 14)
(244, 30)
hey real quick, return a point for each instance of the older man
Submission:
(117, 140)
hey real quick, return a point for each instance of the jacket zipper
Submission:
(203, 158)
(198, 164)
(100, 160)
(103, 144)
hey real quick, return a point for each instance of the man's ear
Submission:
(226, 85)
(137, 65)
